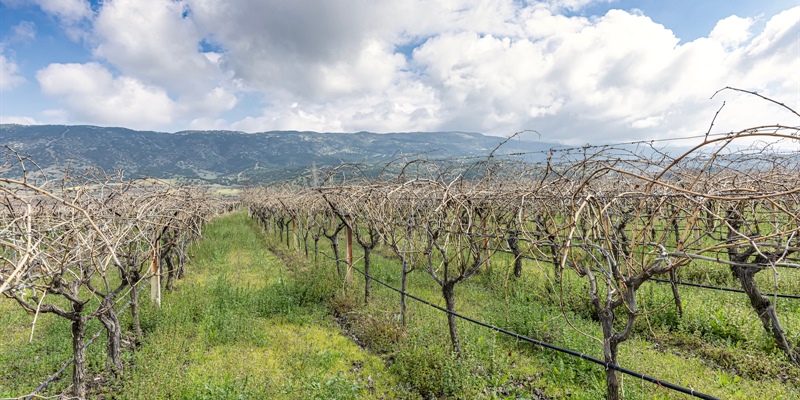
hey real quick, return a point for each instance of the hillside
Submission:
(228, 157)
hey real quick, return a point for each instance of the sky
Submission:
(575, 71)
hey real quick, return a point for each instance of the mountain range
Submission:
(230, 158)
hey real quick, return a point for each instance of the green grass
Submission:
(243, 326)
(23, 364)
(254, 319)
(26, 360)
(717, 347)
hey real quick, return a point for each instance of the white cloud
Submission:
(16, 119)
(573, 4)
(618, 77)
(156, 43)
(606, 70)
(732, 31)
(9, 73)
(67, 10)
(496, 66)
(545, 25)
(25, 31)
(95, 96)
(404, 107)
(152, 41)
(491, 66)
(213, 102)
(372, 71)
(73, 15)
(648, 122)
(311, 49)
(204, 123)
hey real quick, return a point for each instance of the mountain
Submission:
(227, 157)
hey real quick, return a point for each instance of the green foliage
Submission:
(379, 333)
(433, 372)
(333, 388)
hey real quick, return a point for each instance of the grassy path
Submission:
(240, 326)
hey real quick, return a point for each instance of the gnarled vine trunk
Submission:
(764, 309)
(110, 321)
(448, 292)
(610, 349)
(513, 244)
(78, 328)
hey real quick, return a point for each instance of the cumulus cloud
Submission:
(160, 68)
(74, 15)
(495, 66)
(732, 31)
(94, 95)
(68, 10)
(204, 123)
(612, 70)
(573, 4)
(9, 73)
(409, 106)
(315, 49)
(153, 41)
(617, 77)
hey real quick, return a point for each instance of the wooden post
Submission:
(349, 275)
(486, 248)
(295, 246)
(155, 280)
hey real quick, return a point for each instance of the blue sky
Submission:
(693, 19)
(576, 71)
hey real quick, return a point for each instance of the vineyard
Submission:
(79, 247)
(600, 225)
(620, 271)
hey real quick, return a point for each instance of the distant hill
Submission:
(226, 157)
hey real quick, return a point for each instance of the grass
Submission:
(254, 319)
(717, 347)
(241, 325)
(28, 358)
(244, 326)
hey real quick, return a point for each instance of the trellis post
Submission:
(349, 236)
(155, 280)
